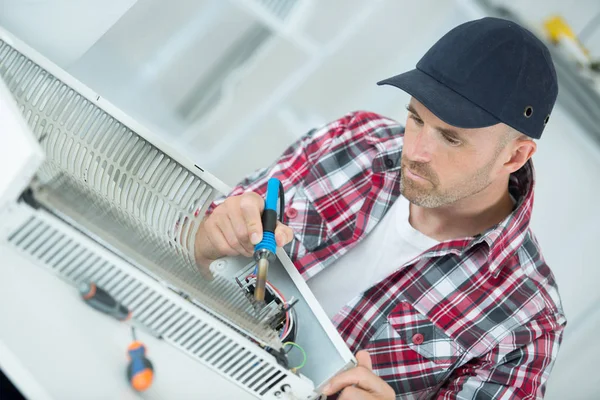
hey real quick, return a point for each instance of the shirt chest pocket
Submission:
(423, 336)
(414, 353)
(310, 230)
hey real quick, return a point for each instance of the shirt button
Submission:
(291, 213)
(418, 338)
(389, 162)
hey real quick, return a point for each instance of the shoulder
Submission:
(353, 129)
(360, 122)
(538, 274)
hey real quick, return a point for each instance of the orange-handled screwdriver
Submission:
(140, 371)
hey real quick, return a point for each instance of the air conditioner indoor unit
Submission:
(89, 195)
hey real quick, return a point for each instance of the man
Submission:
(416, 239)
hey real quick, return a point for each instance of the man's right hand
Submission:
(233, 228)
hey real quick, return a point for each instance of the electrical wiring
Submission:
(303, 355)
(293, 327)
(289, 320)
(289, 331)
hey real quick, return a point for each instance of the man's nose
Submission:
(421, 148)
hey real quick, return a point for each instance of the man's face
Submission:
(442, 164)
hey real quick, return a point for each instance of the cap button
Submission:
(418, 338)
(291, 212)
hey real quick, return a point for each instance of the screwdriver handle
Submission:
(265, 251)
(101, 300)
(140, 371)
(269, 220)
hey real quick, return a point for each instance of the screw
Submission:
(220, 265)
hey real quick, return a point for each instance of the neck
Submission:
(465, 218)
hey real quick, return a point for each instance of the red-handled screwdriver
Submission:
(140, 372)
(101, 300)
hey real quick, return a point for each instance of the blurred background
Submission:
(232, 83)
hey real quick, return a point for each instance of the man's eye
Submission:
(418, 121)
(451, 141)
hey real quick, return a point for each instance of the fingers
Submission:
(364, 360)
(252, 205)
(283, 234)
(241, 231)
(358, 376)
(216, 236)
(225, 224)
(352, 393)
(362, 377)
(234, 228)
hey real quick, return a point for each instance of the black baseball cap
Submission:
(484, 72)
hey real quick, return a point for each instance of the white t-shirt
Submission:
(391, 244)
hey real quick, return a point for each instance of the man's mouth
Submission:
(414, 176)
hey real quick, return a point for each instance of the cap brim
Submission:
(445, 103)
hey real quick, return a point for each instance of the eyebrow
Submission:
(448, 132)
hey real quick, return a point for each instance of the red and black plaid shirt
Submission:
(477, 317)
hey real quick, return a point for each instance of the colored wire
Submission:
(294, 318)
(284, 331)
(303, 354)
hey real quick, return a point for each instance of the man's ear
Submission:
(521, 150)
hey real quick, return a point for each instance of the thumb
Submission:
(364, 360)
(283, 234)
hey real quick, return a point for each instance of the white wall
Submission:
(62, 30)
(390, 41)
(566, 221)
(577, 13)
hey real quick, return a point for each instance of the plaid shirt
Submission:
(476, 317)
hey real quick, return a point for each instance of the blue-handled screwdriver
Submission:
(264, 252)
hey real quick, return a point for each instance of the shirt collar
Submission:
(388, 141)
(501, 240)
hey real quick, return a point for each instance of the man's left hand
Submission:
(360, 383)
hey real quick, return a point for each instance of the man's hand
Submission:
(360, 383)
(233, 228)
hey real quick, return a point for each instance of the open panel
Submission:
(104, 177)
(76, 259)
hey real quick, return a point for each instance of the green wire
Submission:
(303, 354)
